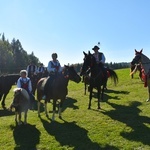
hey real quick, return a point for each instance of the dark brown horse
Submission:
(145, 62)
(6, 82)
(57, 89)
(21, 103)
(136, 67)
(97, 79)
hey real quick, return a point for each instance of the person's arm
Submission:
(103, 59)
(19, 83)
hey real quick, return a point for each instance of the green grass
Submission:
(122, 123)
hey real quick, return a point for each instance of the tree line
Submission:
(13, 57)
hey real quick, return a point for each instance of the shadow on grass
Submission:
(107, 97)
(68, 103)
(129, 115)
(26, 137)
(69, 134)
(6, 112)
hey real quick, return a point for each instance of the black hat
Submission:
(95, 47)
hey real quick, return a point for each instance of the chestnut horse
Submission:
(57, 89)
(97, 78)
(145, 62)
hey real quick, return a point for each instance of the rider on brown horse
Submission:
(100, 59)
(54, 68)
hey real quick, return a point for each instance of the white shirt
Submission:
(96, 55)
(50, 67)
(25, 80)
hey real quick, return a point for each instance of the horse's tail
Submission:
(134, 71)
(113, 75)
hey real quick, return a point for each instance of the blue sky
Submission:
(69, 27)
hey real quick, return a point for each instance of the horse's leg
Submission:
(19, 118)
(25, 116)
(1, 96)
(39, 104)
(90, 97)
(3, 100)
(98, 95)
(45, 103)
(60, 107)
(84, 88)
(131, 69)
(148, 100)
(54, 109)
(16, 119)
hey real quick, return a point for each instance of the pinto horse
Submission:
(136, 67)
(58, 89)
(97, 78)
(21, 104)
(6, 82)
(145, 62)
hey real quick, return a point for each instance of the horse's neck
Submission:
(145, 63)
(95, 70)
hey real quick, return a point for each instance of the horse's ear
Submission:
(66, 66)
(135, 50)
(84, 53)
(141, 50)
(89, 53)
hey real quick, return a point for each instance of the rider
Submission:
(31, 69)
(100, 59)
(25, 83)
(54, 68)
(41, 68)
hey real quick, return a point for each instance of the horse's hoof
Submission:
(60, 117)
(89, 107)
(99, 108)
(19, 123)
(148, 100)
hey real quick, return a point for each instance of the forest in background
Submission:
(13, 58)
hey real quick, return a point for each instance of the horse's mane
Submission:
(24, 92)
(145, 63)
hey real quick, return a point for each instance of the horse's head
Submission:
(137, 58)
(89, 63)
(17, 95)
(72, 74)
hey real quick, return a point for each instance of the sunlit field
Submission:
(122, 123)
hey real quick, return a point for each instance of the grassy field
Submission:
(122, 123)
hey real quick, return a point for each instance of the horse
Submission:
(34, 79)
(6, 82)
(97, 78)
(145, 62)
(58, 89)
(21, 103)
(136, 67)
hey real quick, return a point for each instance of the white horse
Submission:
(21, 103)
(145, 61)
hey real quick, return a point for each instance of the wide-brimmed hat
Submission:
(95, 47)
